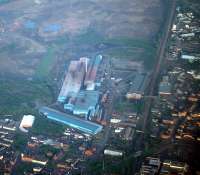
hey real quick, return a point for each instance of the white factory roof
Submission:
(27, 122)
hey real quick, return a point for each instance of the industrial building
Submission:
(92, 73)
(84, 104)
(27, 122)
(138, 86)
(73, 79)
(70, 120)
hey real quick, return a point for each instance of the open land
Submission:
(37, 38)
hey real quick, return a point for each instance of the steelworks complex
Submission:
(71, 120)
(78, 95)
(81, 99)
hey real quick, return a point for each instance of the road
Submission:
(157, 69)
(108, 107)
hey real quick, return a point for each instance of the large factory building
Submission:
(91, 74)
(84, 104)
(70, 120)
(73, 79)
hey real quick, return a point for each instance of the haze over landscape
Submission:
(77, 28)
(99, 87)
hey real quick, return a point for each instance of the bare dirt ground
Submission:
(24, 38)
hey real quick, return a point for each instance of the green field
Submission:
(135, 49)
(89, 38)
(121, 47)
(22, 96)
(45, 126)
(46, 63)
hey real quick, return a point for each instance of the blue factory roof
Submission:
(30, 24)
(70, 120)
(86, 100)
(53, 28)
(98, 60)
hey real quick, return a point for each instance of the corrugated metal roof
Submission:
(73, 80)
(86, 100)
(92, 71)
(70, 120)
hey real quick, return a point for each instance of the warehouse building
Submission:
(85, 104)
(73, 79)
(27, 122)
(70, 120)
(138, 86)
(92, 73)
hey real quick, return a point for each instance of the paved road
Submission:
(160, 58)
(108, 108)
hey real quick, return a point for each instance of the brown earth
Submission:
(110, 18)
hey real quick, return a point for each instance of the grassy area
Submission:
(135, 49)
(24, 167)
(128, 106)
(122, 53)
(46, 63)
(45, 126)
(20, 141)
(152, 146)
(89, 38)
(121, 47)
(21, 96)
(47, 148)
(130, 42)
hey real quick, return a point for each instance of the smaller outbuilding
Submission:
(27, 122)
